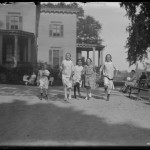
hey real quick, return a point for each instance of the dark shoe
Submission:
(107, 98)
(86, 98)
(79, 94)
(46, 97)
(40, 97)
(66, 100)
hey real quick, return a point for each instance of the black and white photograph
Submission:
(74, 74)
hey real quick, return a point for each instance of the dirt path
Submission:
(25, 120)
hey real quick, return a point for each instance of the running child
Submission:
(77, 77)
(67, 69)
(43, 81)
(89, 72)
(108, 74)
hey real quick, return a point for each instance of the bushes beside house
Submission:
(15, 75)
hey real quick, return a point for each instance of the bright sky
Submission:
(114, 22)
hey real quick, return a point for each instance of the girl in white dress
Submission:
(108, 74)
(43, 81)
(67, 69)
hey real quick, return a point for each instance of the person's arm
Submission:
(133, 78)
(115, 71)
(72, 70)
(101, 69)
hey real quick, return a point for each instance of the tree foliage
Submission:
(88, 30)
(139, 30)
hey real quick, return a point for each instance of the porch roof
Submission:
(89, 47)
(17, 32)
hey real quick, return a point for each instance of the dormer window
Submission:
(14, 21)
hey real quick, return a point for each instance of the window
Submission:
(9, 53)
(56, 30)
(55, 58)
(14, 21)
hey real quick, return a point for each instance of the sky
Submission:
(114, 22)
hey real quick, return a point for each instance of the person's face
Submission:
(45, 66)
(108, 58)
(88, 61)
(79, 62)
(132, 72)
(67, 56)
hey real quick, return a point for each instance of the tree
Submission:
(88, 30)
(139, 38)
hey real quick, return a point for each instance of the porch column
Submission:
(99, 58)
(79, 55)
(16, 48)
(87, 54)
(29, 49)
(94, 56)
(1, 48)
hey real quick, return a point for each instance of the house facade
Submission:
(18, 32)
(57, 35)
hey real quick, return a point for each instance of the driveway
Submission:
(28, 121)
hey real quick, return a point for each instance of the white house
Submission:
(18, 32)
(57, 35)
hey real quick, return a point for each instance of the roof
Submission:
(89, 46)
(16, 32)
(59, 10)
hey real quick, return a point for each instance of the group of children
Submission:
(72, 76)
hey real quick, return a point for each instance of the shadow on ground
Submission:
(48, 122)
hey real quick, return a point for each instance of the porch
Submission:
(20, 44)
(90, 47)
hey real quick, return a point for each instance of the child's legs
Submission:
(88, 90)
(65, 90)
(46, 91)
(75, 90)
(78, 87)
(69, 93)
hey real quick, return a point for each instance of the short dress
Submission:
(43, 81)
(108, 73)
(67, 69)
(90, 81)
(77, 74)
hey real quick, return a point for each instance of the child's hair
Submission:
(68, 53)
(133, 71)
(89, 59)
(110, 57)
(78, 60)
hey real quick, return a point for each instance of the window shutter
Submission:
(62, 28)
(20, 22)
(60, 56)
(50, 57)
(50, 30)
(7, 22)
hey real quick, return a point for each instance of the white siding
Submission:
(67, 43)
(27, 10)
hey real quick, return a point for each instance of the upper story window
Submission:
(14, 21)
(56, 29)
